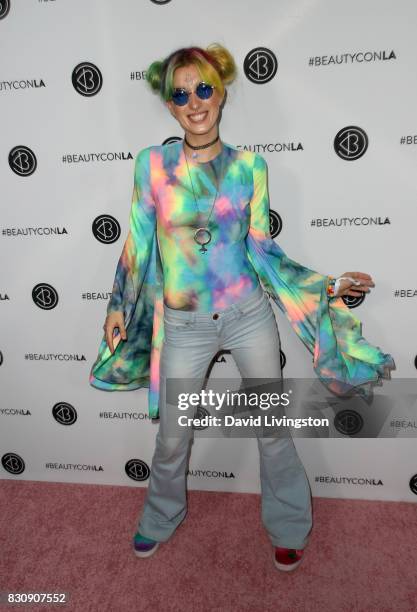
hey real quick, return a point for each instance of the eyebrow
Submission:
(184, 88)
(196, 85)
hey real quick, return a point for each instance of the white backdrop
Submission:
(327, 95)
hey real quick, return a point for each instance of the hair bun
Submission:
(224, 62)
(154, 75)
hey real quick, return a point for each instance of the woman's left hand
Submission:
(346, 287)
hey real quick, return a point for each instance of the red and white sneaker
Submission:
(287, 559)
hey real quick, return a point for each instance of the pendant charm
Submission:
(202, 236)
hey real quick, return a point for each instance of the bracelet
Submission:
(330, 286)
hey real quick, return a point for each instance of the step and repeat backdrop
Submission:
(325, 93)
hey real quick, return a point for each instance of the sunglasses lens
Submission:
(180, 97)
(204, 91)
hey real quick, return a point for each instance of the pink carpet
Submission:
(54, 537)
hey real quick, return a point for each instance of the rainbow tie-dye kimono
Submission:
(342, 358)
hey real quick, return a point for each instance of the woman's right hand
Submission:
(114, 319)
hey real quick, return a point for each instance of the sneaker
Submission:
(287, 559)
(144, 547)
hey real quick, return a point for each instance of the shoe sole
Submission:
(287, 568)
(146, 553)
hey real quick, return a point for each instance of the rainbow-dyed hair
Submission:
(215, 65)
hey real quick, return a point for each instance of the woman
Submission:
(188, 284)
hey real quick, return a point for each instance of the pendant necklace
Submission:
(194, 155)
(202, 235)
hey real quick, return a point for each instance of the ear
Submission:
(223, 101)
(169, 105)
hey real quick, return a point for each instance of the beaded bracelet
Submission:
(330, 286)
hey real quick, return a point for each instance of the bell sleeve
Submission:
(133, 261)
(343, 359)
(133, 293)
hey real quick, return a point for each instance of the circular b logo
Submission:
(275, 223)
(171, 139)
(86, 79)
(137, 470)
(64, 413)
(106, 229)
(200, 413)
(350, 143)
(22, 160)
(45, 296)
(413, 484)
(13, 463)
(353, 301)
(4, 8)
(260, 65)
(348, 422)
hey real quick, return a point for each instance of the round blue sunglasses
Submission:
(203, 90)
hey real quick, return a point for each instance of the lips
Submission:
(198, 117)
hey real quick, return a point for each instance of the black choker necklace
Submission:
(205, 146)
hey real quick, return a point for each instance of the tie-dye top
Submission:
(195, 279)
(160, 260)
(223, 274)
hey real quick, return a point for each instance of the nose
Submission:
(193, 100)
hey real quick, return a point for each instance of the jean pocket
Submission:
(178, 324)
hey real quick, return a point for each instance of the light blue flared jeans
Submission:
(249, 330)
